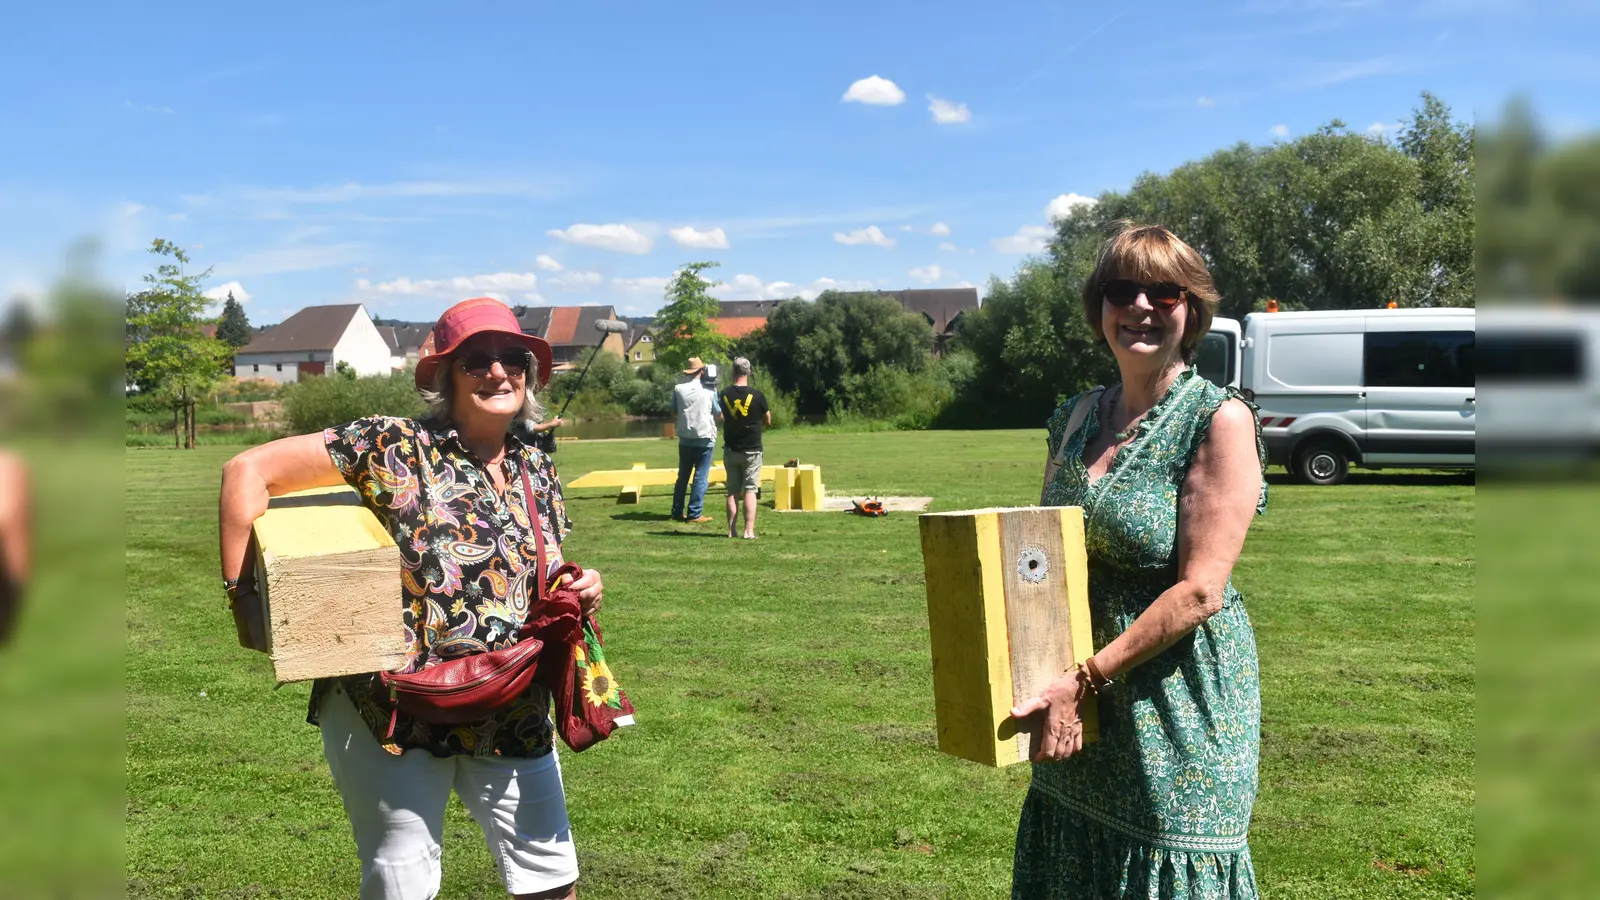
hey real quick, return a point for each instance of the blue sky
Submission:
(409, 155)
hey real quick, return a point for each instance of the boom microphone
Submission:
(610, 326)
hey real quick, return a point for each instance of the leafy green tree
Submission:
(683, 326)
(1538, 223)
(1031, 348)
(233, 328)
(810, 348)
(1333, 220)
(71, 357)
(166, 350)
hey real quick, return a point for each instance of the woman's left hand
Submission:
(589, 589)
(1060, 709)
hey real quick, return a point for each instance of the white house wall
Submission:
(283, 368)
(362, 347)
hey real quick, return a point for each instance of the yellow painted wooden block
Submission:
(783, 487)
(329, 578)
(631, 492)
(811, 491)
(1008, 611)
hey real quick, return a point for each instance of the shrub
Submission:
(906, 400)
(779, 401)
(317, 403)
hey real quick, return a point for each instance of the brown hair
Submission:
(1151, 253)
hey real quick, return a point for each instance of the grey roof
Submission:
(389, 337)
(312, 328)
(746, 309)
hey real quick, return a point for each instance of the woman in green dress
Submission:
(1168, 469)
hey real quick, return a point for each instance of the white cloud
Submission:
(874, 91)
(1205, 102)
(872, 234)
(498, 285)
(750, 287)
(926, 274)
(948, 112)
(1028, 239)
(687, 236)
(1280, 131)
(940, 229)
(949, 247)
(577, 280)
(963, 284)
(1062, 206)
(548, 263)
(653, 284)
(908, 228)
(1383, 130)
(614, 237)
(220, 292)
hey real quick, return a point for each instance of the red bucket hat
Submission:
(475, 316)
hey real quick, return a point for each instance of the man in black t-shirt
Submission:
(744, 413)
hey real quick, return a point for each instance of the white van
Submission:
(1540, 370)
(1374, 388)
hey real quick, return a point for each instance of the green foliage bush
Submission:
(904, 399)
(650, 393)
(810, 348)
(313, 404)
(779, 401)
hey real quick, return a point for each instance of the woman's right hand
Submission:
(246, 604)
(1060, 709)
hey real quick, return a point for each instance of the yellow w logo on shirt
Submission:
(743, 409)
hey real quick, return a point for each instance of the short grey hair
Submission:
(741, 366)
(437, 395)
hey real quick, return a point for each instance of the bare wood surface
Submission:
(329, 578)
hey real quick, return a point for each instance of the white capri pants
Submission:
(396, 808)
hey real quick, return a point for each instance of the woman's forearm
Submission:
(1179, 610)
(244, 498)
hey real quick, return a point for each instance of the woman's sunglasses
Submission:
(514, 360)
(1121, 292)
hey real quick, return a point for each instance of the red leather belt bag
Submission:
(476, 686)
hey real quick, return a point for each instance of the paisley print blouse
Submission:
(468, 558)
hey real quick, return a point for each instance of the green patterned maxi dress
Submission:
(1160, 805)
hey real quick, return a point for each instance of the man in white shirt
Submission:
(697, 409)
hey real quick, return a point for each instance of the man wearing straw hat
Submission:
(697, 410)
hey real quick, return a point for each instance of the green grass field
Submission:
(785, 745)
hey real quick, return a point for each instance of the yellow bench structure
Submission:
(793, 487)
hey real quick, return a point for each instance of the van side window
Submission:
(1215, 361)
(1419, 359)
(1531, 358)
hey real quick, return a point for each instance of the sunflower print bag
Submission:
(590, 704)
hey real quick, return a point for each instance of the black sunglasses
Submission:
(514, 360)
(1122, 292)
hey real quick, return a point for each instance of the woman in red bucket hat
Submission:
(452, 488)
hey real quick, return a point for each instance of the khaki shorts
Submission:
(744, 471)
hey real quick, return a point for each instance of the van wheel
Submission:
(1322, 462)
